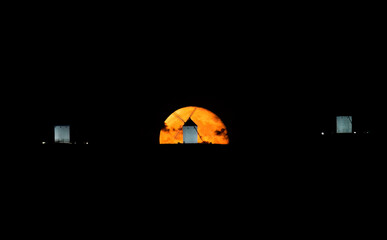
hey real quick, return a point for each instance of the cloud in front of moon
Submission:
(210, 126)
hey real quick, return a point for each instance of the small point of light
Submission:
(43, 142)
(322, 133)
(354, 132)
(87, 142)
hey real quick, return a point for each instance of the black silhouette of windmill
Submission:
(190, 129)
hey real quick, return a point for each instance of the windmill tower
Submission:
(190, 130)
(62, 134)
(344, 124)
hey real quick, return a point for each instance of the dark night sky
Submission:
(128, 71)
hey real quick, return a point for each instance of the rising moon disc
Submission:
(210, 128)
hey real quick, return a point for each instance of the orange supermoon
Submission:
(210, 128)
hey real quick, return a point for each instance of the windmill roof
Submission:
(189, 122)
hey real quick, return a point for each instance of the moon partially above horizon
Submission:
(210, 127)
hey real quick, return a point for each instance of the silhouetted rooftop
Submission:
(189, 122)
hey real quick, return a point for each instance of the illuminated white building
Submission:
(62, 134)
(190, 132)
(344, 124)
